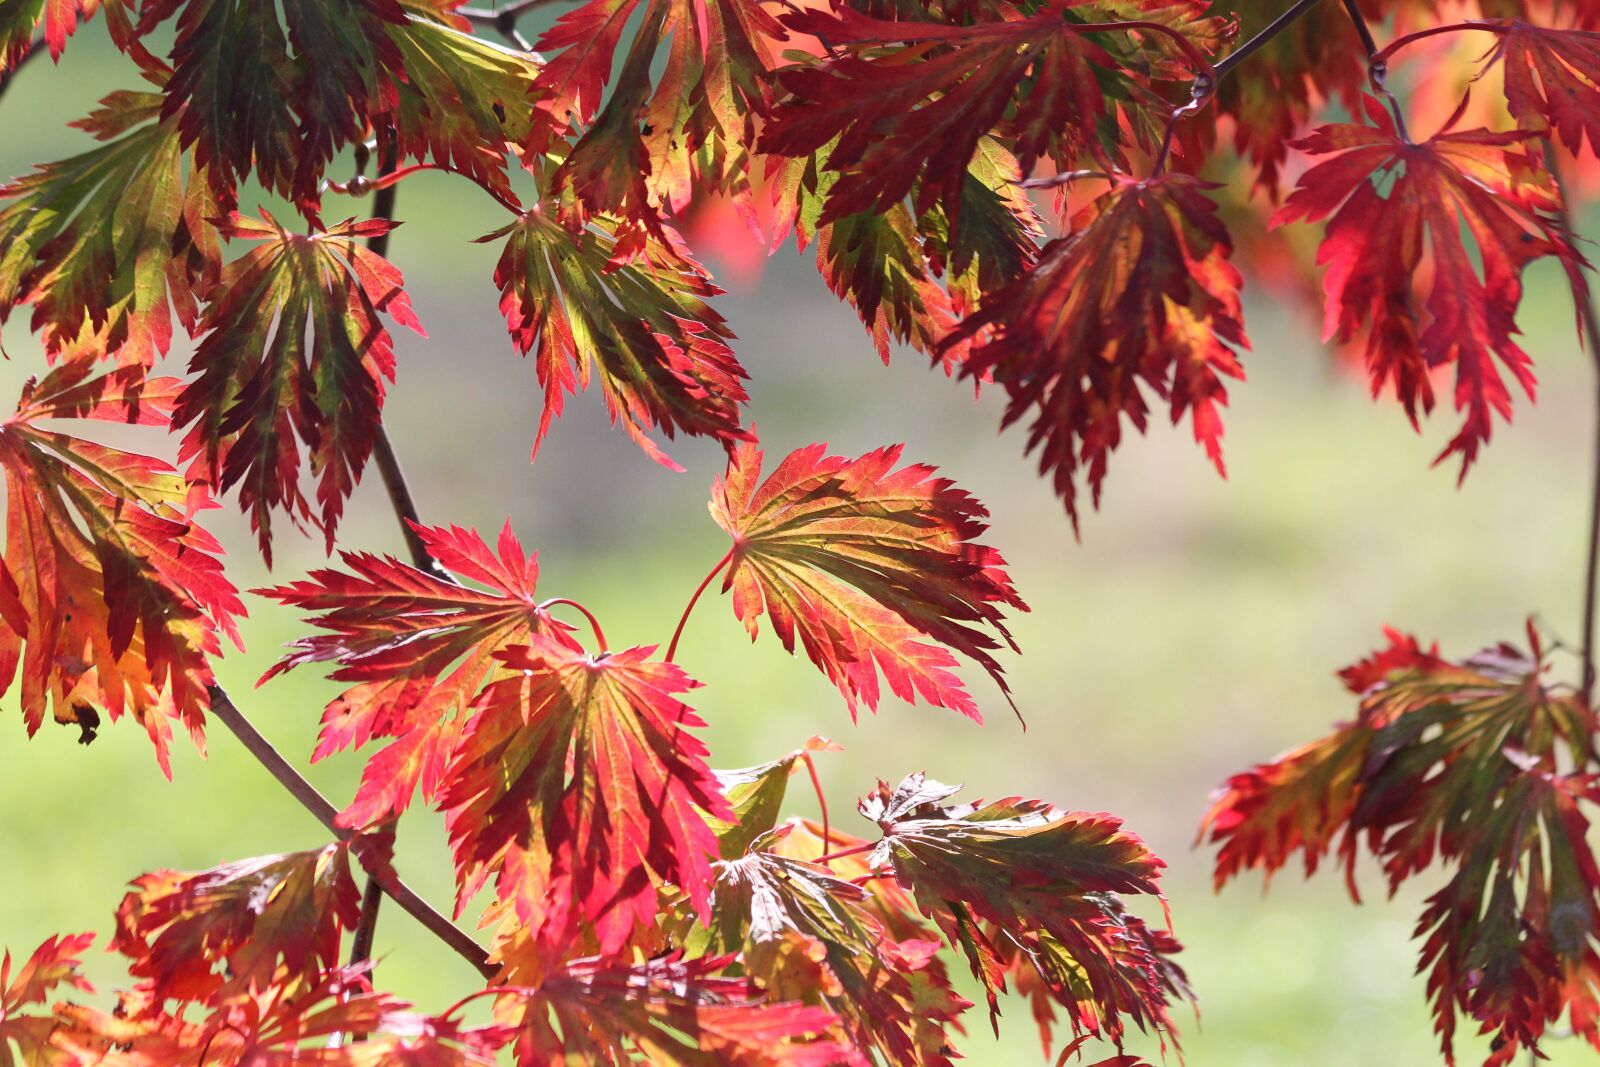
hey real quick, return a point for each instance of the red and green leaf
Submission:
(669, 1011)
(807, 934)
(1455, 763)
(578, 787)
(294, 353)
(1140, 298)
(1016, 877)
(628, 308)
(873, 569)
(20, 19)
(108, 244)
(417, 648)
(112, 598)
(269, 925)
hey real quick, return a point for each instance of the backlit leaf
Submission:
(873, 569)
(112, 598)
(293, 353)
(418, 648)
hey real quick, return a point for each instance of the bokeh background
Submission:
(1193, 630)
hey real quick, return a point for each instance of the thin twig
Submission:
(1377, 68)
(228, 713)
(1267, 33)
(1589, 317)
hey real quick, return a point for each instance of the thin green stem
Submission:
(672, 646)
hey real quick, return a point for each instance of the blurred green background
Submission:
(1192, 631)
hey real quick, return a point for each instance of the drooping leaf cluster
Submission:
(1484, 766)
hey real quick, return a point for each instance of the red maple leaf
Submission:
(630, 309)
(53, 963)
(242, 929)
(111, 596)
(874, 569)
(1396, 207)
(1552, 80)
(1141, 296)
(578, 786)
(293, 350)
(418, 648)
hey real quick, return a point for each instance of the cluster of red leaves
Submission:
(1483, 766)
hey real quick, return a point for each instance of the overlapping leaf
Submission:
(1140, 297)
(274, 1030)
(668, 1011)
(690, 125)
(256, 95)
(418, 648)
(1016, 876)
(112, 598)
(1552, 80)
(1396, 205)
(807, 934)
(905, 104)
(294, 351)
(108, 244)
(463, 102)
(1458, 763)
(631, 310)
(53, 963)
(875, 261)
(578, 786)
(268, 925)
(873, 569)
(755, 795)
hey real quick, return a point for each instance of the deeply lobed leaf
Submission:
(862, 563)
(418, 648)
(1396, 206)
(667, 1011)
(1463, 763)
(631, 309)
(108, 244)
(293, 353)
(1140, 296)
(1015, 878)
(111, 596)
(578, 786)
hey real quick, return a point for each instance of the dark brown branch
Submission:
(1268, 32)
(228, 713)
